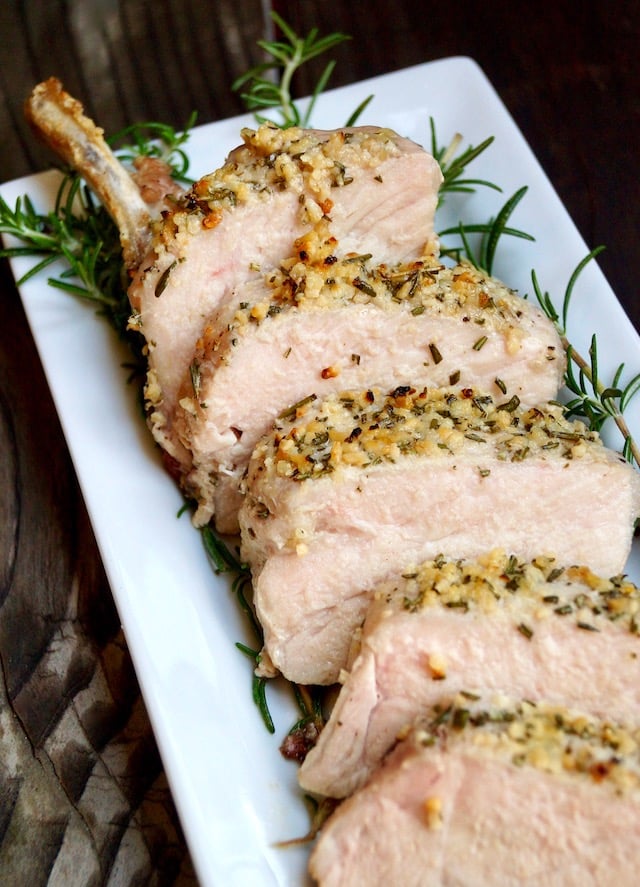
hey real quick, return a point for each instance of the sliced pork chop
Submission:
(323, 324)
(530, 629)
(378, 191)
(487, 794)
(361, 485)
(190, 254)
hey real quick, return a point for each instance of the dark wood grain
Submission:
(82, 794)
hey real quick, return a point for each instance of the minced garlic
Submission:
(547, 737)
(437, 666)
(433, 812)
(483, 584)
(366, 427)
(274, 159)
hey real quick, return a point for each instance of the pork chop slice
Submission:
(324, 324)
(532, 630)
(376, 190)
(493, 793)
(361, 485)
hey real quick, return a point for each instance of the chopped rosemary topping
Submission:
(194, 372)
(409, 422)
(548, 737)
(293, 409)
(163, 280)
(492, 580)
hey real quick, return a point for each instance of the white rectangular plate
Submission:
(236, 796)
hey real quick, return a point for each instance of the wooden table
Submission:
(83, 798)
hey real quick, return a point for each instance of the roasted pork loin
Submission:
(493, 793)
(324, 324)
(299, 281)
(359, 486)
(238, 223)
(192, 255)
(534, 630)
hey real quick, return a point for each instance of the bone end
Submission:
(59, 121)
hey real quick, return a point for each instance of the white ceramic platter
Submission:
(236, 796)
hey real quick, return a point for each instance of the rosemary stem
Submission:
(451, 150)
(285, 83)
(617, 417)
(634, 449)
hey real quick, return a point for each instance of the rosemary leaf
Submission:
(589, 398)
(481, 256)
(258, 689)
(498, 228)
(285, 57)
(453, 167)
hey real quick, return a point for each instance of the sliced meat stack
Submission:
(322, 324)
(532, 630)
(298, 284)
(359, 486)
(238, 223)
(493, 793)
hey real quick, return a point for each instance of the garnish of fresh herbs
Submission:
(269, 84)
(224, 560)
(79, 231)
(589, 397)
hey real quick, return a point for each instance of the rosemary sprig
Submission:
(224, 560)
(454, 168)
(454, 165)
(78, 230)
(592, 400)
(484, 254)
(258, 688)
(260, 92)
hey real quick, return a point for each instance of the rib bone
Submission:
(60, 121)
